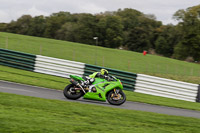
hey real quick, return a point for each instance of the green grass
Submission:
(112, 58)
(28, 114)
(37, 79)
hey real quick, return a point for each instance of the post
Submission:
(167, 69)
(198, 94)
(6, 42)
(96, 38)
(103, 60)
(176, 70)
(147, 67)
(40, 49)
(191, 72)
(74, 54)
(129, 65)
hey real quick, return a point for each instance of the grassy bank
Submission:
(37, 79)
(27, 114)
(113, 58)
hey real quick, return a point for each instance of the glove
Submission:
(92, 80)
(87, 82)
(107, 78)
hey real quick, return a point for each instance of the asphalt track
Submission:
(27, 90)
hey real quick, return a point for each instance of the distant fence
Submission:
(17, 59)
(58, 67)
(166, 88)
(135, 82)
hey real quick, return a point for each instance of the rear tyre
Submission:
(116, 99)
(70, 92)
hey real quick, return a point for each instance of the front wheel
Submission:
(116, 98)
(71, 93)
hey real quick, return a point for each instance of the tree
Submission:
(68, 32)
(162, 47)
(188, 47)
(114, 27)
(86, 28)
(129, 18)
(109, 30)
(138, 40)
(171, 35)
(3, 26)
(12, 27)
(23, 24)
(55, 22)
(189, 24)
(37, 26)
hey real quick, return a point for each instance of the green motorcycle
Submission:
(101, 89)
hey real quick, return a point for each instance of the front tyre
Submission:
(116, 98)
(70, 92)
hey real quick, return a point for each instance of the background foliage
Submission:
(127, 29)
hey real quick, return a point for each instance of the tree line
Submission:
(126, 29)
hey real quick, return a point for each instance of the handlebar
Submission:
(110, 78)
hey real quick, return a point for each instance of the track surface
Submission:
(27, 90)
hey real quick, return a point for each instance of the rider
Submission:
(102, 74)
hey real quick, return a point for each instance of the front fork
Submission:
(115, 95)
(116, 91)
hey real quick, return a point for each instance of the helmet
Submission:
(104, 72)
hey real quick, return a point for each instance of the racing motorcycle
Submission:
(101, 89)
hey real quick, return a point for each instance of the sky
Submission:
(162, 9)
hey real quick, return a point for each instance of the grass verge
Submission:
(28, 114)
(53, 82)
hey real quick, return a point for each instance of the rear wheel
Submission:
(116, 98)
(71, 93)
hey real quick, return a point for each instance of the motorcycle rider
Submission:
(89, 80)
(102, 74)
